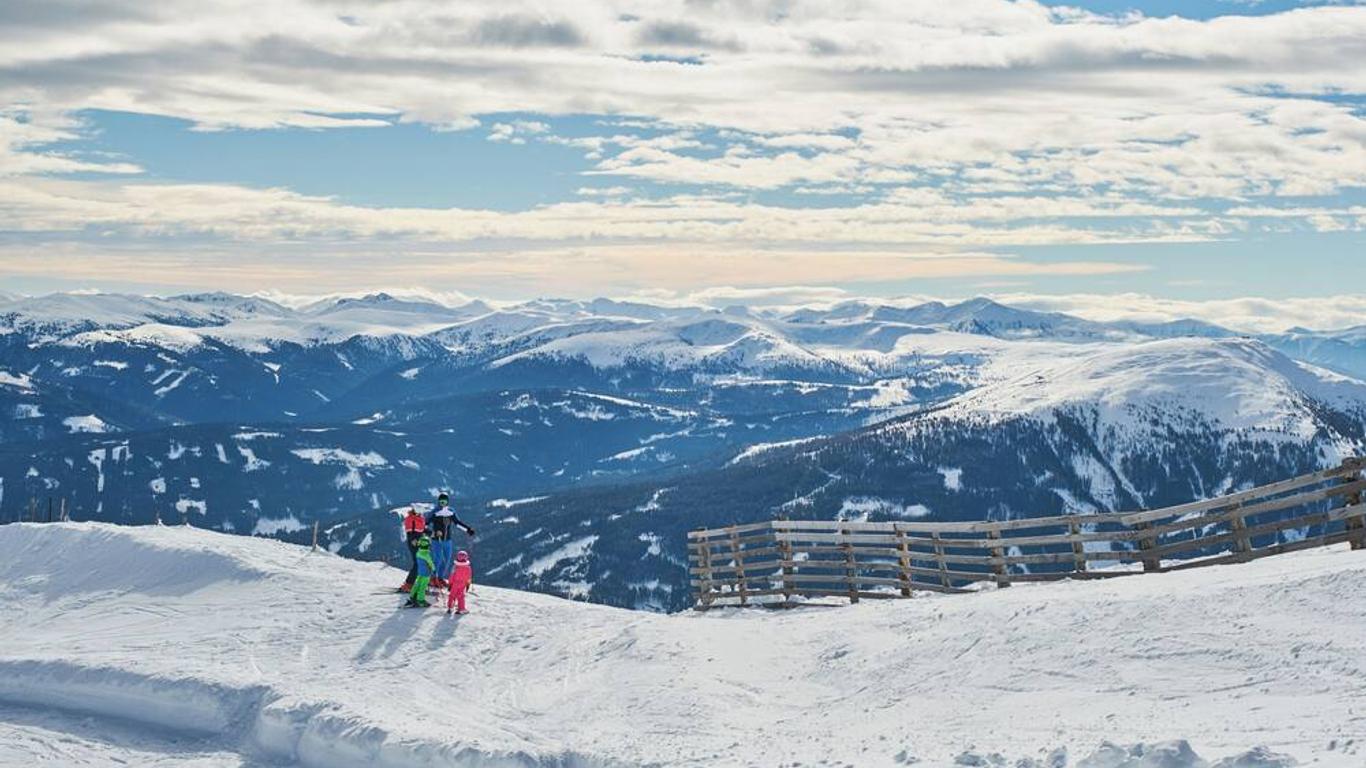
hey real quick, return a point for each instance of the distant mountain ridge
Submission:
(554, 421)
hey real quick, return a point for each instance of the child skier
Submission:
(461, 577)
(414, 526)
(425, 569)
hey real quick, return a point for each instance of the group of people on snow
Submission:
(433, 565)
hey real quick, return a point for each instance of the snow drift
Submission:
(264, 651)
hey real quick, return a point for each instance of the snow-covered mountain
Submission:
(632, 423)
(176, 646)
(1102, 427)
(1342, 350)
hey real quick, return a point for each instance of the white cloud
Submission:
(515, 271)
(516, 131)
(25, 147)
(927, 218)
(1054, 96)
(1245, 314)
(965, 126)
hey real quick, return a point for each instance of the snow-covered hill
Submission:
(178, 646)
(1133, 391)
(1092, 427)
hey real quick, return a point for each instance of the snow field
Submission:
(250, 647)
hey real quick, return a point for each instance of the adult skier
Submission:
(414, 526)
(442, 520)
(418, 597)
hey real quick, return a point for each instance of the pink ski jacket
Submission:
(462, 575)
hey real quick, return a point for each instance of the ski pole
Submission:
(470, 588)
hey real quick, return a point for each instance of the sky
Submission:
(1149, 152)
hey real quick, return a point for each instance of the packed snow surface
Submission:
(173, 645)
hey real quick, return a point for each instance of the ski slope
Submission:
(178, 646)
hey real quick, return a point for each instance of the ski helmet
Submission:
(423, 542)
(462, 556)
(443, 498)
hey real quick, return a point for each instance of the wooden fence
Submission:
(774, 561)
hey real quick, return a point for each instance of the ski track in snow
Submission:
(227, 650)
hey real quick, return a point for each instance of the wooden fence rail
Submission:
(757, 562)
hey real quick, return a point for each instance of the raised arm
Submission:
(468, 528)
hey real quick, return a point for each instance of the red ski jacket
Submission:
(414, 524)
(462, 575)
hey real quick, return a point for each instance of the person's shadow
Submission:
(390, 635)
(445, 630)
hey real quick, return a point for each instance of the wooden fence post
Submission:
(998, 553)
(903, 553)
(1356, 524)
(32, 509)
(785, 555)
(944, 579)
(49, 509)
(739, 559)
(64, 516)
(1147, 543)
(850, 570)
(315, 535)
(1241, 543)
(703, 578)
(1078, 548)
(707, 587)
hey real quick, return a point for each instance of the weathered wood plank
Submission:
(751, 540)
(1220, 502)
(1257, 554)
(751, 553)
(1065, 575)
(1245, 534)
(1262, 508)
(978, 526)
(727, 574)
(704, 533)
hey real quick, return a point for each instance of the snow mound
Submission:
(238, 645)
(94, 558)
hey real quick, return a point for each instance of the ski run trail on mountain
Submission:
(177, 646)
